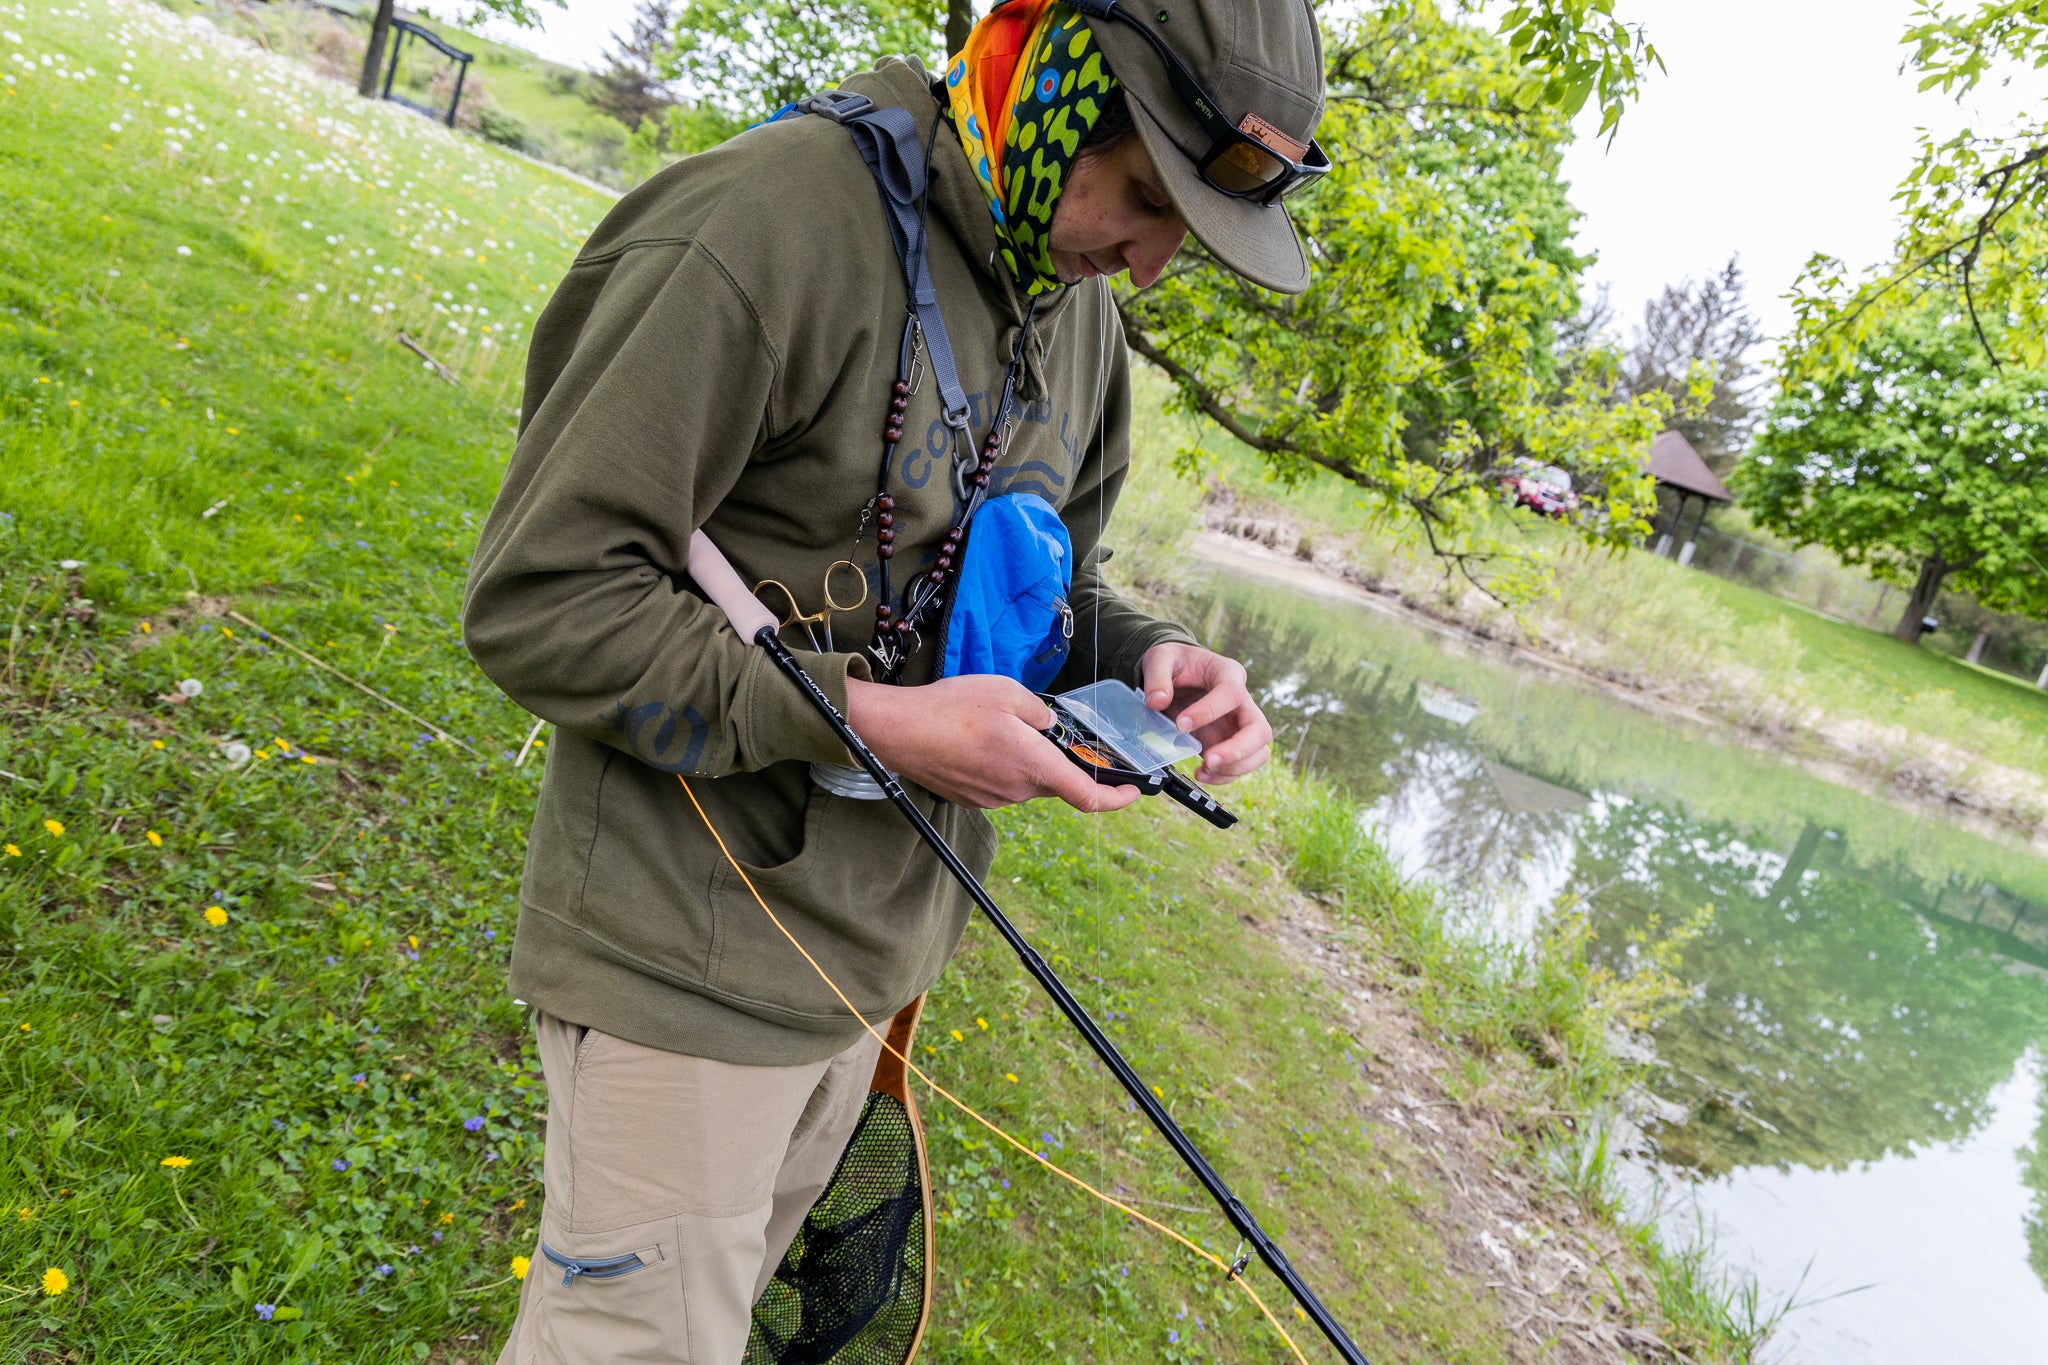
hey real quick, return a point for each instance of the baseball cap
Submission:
(1262, 62)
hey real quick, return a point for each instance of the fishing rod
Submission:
(715, 577)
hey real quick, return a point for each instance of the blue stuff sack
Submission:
(1009, 613)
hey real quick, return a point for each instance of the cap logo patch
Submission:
(1256, 128)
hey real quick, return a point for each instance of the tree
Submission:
(1921, 459)
(751, 57)
(518, 12)
(631, 89)
(1421, 360)
(1974, 207)
(1692, 327)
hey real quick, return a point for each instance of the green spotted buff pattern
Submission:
(1056, 109)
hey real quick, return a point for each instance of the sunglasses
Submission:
(1237, 164)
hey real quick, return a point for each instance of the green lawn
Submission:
(1861, 661)
(254, 919)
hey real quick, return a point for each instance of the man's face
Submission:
(1114, 215)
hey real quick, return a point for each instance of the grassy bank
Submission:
(1924, 723)
(265, 1094)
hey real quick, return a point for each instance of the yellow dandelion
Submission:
(958, 1036)
(234, 431)
(216, 916)
(55, 1282)
(307, 758)
(13, 852)
(56, 828)
(412, 941)
(515, 1206)
(155, 840)
(24, 1213)
(1160, 1093)
(176, 1163)
(145, 627)
(1010, 1076)
(225, 631)
(519, 1265)
(446, 1219)
(156, 744)
(982, 1022)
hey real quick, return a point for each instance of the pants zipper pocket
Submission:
(605, 1268)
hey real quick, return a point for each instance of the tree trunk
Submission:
(373, 56)
(1976, 654)
(1933, 571)
(959, 23)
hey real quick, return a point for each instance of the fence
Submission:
(2010, 644)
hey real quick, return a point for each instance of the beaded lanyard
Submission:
(900, 160)
(924, 597)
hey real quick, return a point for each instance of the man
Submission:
(725, 353)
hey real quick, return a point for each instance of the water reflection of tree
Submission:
(2034, 1172)
(1494, 835)
(1831, 1023)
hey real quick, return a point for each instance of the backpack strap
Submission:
(888, 142)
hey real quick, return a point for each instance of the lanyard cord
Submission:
(1233, 1272)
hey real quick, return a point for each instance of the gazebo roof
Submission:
(1673, 461)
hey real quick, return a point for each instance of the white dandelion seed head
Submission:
(236, 753)
(70, 563)
(191, 687)
(184, 251)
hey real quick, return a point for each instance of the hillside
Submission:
(266, 1096)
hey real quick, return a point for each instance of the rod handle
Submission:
(714, 576)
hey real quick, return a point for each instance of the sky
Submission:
(1781, 128)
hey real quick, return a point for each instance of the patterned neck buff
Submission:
(1025, 92)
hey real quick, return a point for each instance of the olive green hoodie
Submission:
(720, 355)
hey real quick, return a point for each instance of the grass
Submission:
(510, 95)
(261, 925)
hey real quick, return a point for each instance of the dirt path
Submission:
(1546, 1262)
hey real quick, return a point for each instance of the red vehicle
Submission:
(1542, 488)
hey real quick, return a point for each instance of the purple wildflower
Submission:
(490, 935)
(1171, 1336)
(264, 1311)
(358, 1078)
(382, 1271)
(341, 1163)
(474, 1123)
(437, 1239)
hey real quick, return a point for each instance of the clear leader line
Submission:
(716, 579)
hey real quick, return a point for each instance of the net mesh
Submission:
(851, 1289)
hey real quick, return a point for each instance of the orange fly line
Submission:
(1211, 1257)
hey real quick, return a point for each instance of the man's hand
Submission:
(1205, 695)
(974, 741)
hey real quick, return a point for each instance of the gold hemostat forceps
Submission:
(820, 620)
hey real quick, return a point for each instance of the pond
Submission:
(1857, 1114)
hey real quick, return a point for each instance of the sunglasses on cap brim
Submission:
(1236, 164)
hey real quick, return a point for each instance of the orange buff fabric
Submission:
(981, 83)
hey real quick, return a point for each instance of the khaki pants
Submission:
(674, 1185)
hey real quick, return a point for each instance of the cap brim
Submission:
(1254, 240)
